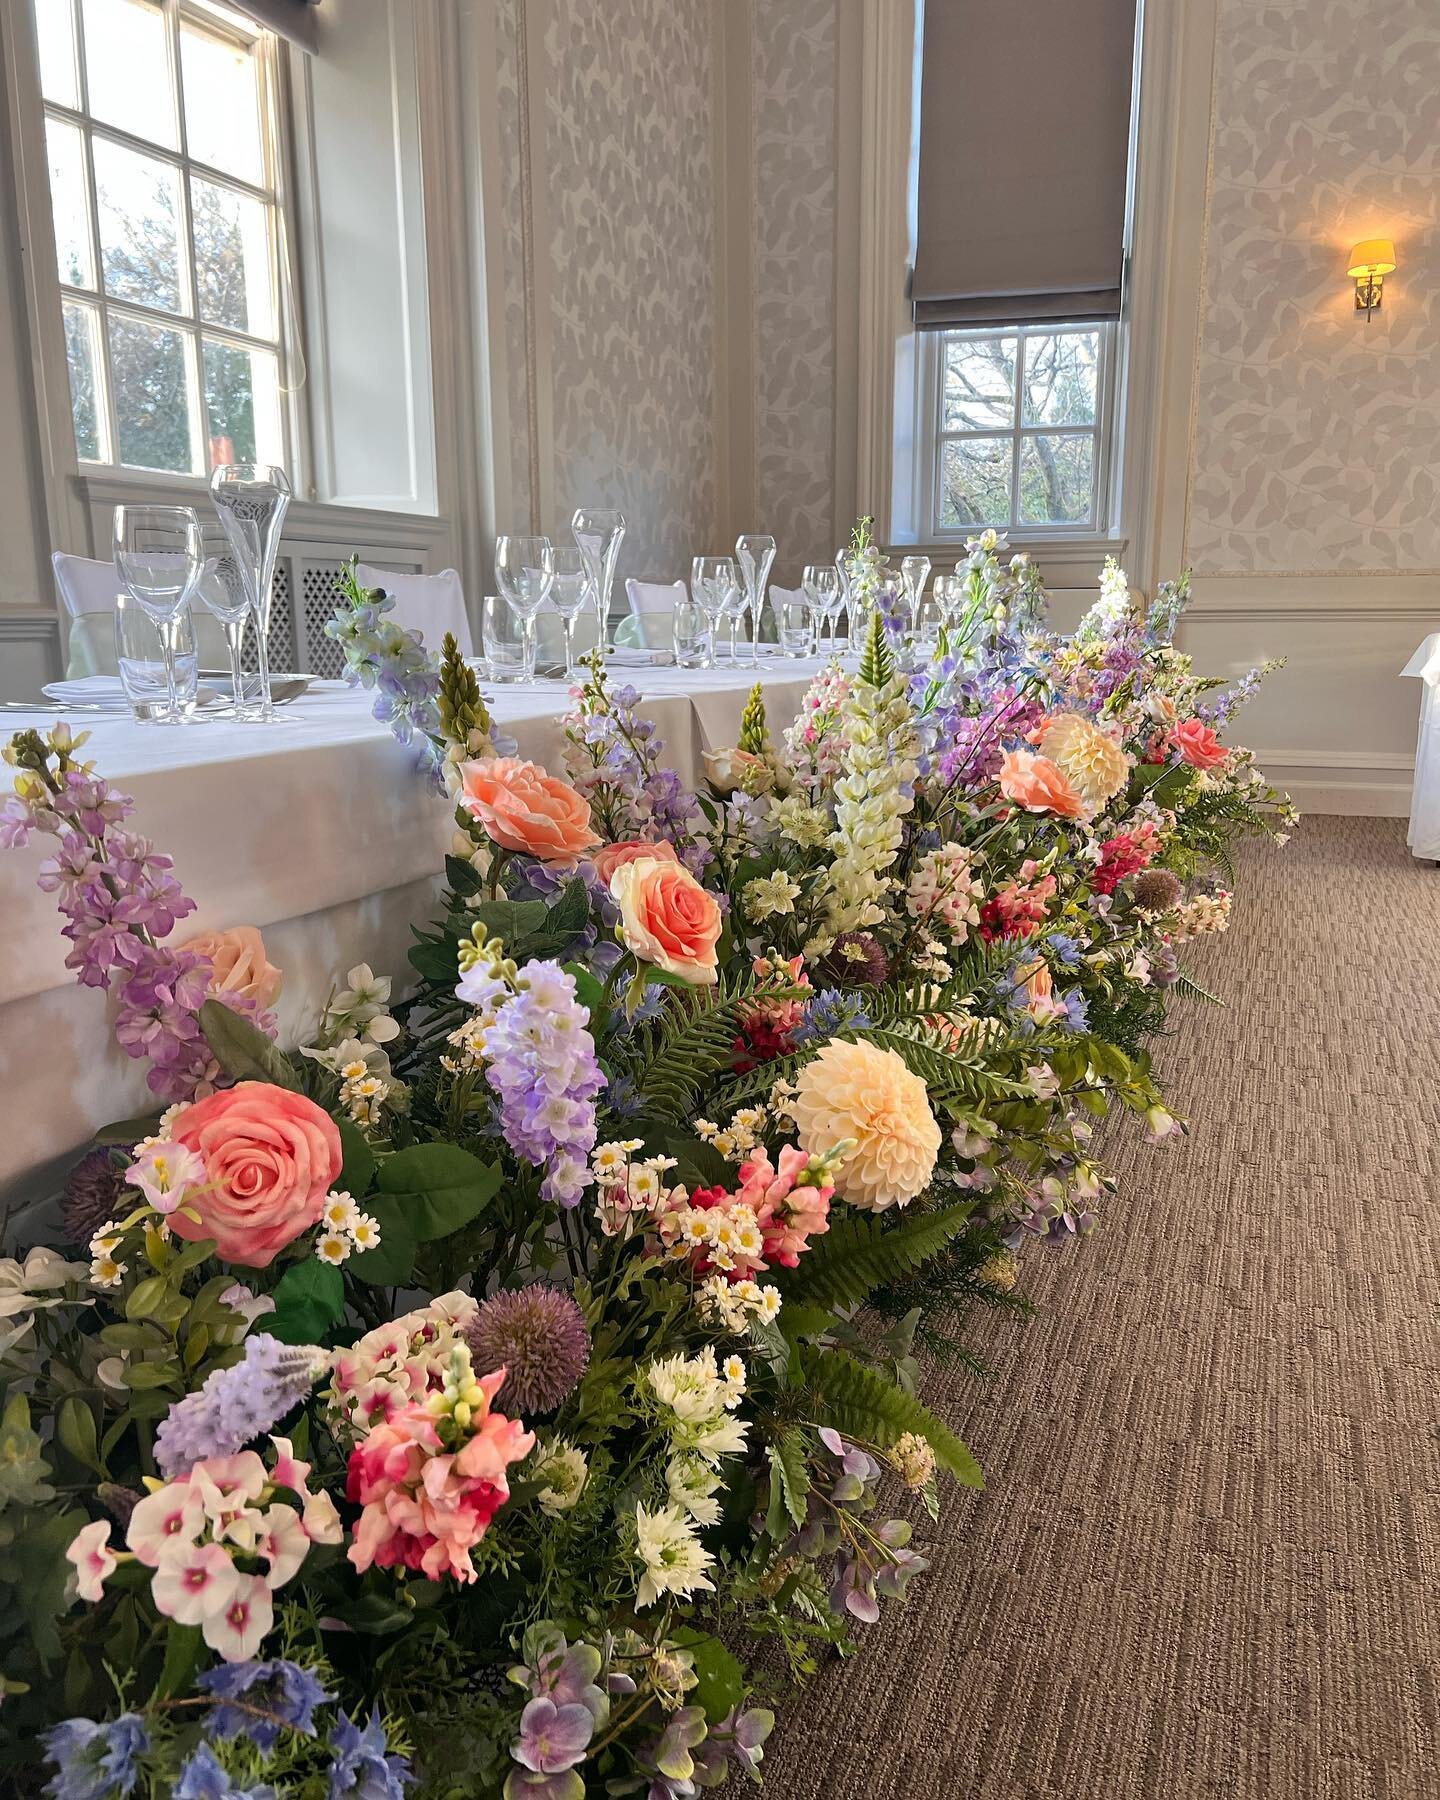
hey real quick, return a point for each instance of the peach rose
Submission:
(667, 918)
(270, 1158)
(610, 857)
(240, 965)
(1039, 785)
(522, 808)
(1198, 744)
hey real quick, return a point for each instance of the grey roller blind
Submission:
(293, 19)
(1024, 151)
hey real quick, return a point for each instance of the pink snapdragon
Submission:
(770, 1218)
(93, 1559)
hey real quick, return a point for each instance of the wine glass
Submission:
(844, 569)
(252, 500)
(599, 531)
(713, 580)
(914, 572)
(822, 588)
(159, 556)
(222, 593)
(568, 596)
(755, 553)
(525, 569)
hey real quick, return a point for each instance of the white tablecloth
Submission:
(316, 828)
(1425, 797)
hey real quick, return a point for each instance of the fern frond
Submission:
(861, 1404)
(1193, 990)
(861, 1252)
(691, 1042)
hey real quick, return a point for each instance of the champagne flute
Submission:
(222, 593)
(525, 569)
(822, 588)
(599, 532)
(755, 553)
(572, 588)
(914, 572)
(159, 556)
(252, 500)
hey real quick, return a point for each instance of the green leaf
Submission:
(720, 1683)
(141, 1377)
(242, 1050)
(588, 990)
(511, 921)
(309, 1301)
(791, 1473)
(440, 1187)
(183, 1649)
(392, 1262)
(128, 1132)
(147, 1297)
(860, 1403)
(462, 878)
(357, 1169)
(376, 1615)
(75, 1428)
(863, 1251)
(435, 959)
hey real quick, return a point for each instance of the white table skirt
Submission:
(317, 829)
(1424, 838)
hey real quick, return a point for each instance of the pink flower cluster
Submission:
(1125, 854)
(397, 1363)
(767, 1024)
(770, 1218)
(1016, 910)
(190, 1532)
(426, 1504)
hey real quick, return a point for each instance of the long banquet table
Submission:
(317, 829)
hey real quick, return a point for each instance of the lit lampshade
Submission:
(1376, 256)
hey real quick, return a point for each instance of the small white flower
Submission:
(340, 1212)
(106, 1271)
(674, 1558)
(365, 1232)
(333, 1247)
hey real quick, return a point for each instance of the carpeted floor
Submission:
(1206, 1560)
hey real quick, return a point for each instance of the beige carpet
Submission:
(1206, 1560)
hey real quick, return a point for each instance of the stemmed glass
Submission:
(713, 580)
(525, 569)
(822, 589)
(846, 608)
(755, 554)
(159, 556)
(568, 595)
(222, 593)
(252, 500)
(914, 572)
(599, 532)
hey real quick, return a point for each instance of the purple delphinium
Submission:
(542, 1067)
(381, 655)
(96, 1760)
(119, 899)
(364, 1767)
(234, 1405)
(283, 1689)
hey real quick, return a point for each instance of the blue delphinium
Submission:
(96, 1761)
(201, 1777)
(364, 1766)
(234, 1405)
(285, 1689)
(1067, 949)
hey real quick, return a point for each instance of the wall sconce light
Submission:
(1370, 263)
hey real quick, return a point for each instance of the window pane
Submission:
(1060, 375)
(140, 242)
(975, 482)
(65, 149)
(232, 258)
(55, 38)
(979, 383)
(152, 395)
(127, 67)
(242, 404)
(222, 102)
(1057, 479)
(82, 350)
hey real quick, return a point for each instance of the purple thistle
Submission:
(538, 1336)
(92, 1194)
(234, 1405)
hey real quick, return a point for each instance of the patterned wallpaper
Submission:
(794, 189)
(515, 250)
(1315, 434)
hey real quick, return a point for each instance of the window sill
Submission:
(1071, 561)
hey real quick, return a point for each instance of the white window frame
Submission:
(931, 439)
(273, 193)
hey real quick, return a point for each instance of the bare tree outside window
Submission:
(161, 155)
(1018, 419)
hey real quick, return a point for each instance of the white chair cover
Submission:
(652, 606)
(87, 590)
(429, 604)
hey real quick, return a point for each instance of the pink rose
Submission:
(668, 919)
(1039, 785)
(270, 1159)
(610, 857)
(238, 963)
(522, 808)
(1198, 744)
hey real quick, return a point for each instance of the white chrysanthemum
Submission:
(1090, 759)
(674, 1558)
(564, 1471)
(689, 1385)
(860, 1093)
(691, 1484)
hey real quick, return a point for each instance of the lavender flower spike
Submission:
(237, 1404)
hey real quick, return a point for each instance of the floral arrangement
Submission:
(449, 1403)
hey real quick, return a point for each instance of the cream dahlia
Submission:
(859, 1092)
(1094, 763)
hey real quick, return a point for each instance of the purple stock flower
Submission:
(542, 1067)
(234, 1405)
